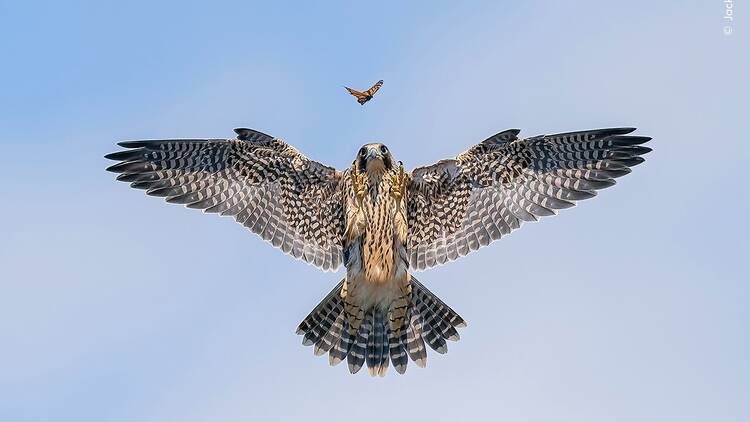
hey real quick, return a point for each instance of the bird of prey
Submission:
(379, 221)
(363, 97)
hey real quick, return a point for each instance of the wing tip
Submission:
(114, 155)
(247, 134)
(118, 168)
(502, 137)
(132, 144)
(624, 130)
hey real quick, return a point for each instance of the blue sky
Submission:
(118, 307)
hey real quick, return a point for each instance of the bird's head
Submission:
(374, 158)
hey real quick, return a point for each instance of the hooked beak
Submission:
(373, 153)
(374, 160)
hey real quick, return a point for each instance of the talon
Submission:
(399, 183)
(358, 182)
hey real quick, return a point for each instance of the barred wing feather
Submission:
(459, 205)
(267, 185)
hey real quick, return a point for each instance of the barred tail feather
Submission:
(331, 337)
(428, 321)
(415, 346)
(319, 321)
(356, 357)
(397, 349)
(377, 347)
(341, 348)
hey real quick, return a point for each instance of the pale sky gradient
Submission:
(633, 306)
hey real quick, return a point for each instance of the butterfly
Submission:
(363, 97)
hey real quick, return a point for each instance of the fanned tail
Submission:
(428, 321)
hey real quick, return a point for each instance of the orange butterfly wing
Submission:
(374, 88)
(355, 92)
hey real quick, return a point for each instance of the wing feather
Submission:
(268, 186)
(459, 205)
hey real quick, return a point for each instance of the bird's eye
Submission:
(383, 149)
(362, 151)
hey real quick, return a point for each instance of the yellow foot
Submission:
(399, 183)
(358, 183)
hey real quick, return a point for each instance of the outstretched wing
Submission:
(290, 201)
(374, 88)
(459, 205)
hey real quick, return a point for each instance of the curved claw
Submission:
(358, 183)
(399, 183)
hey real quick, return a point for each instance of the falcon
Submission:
(378, 221)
